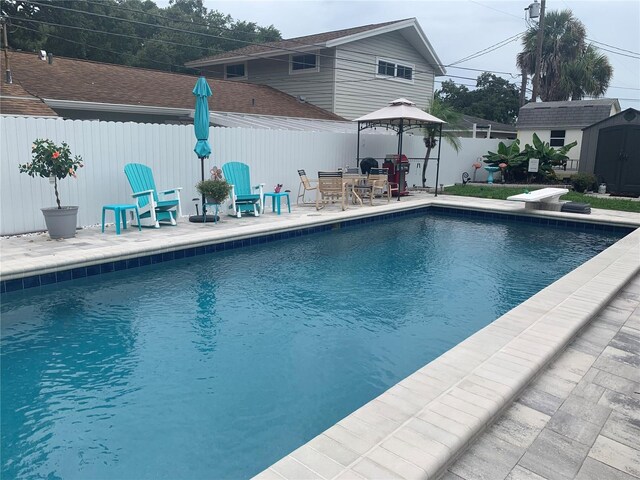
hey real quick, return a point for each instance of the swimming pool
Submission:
(216, 366)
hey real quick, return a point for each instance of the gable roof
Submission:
(409, 28)
(569, 114)
(86, 85)
(632, 112)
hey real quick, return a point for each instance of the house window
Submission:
(235, 71)
(388, 68)
(301, 63)
(557, 138)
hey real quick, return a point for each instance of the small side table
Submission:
(216, 208)
(275, 200)
(120, 212)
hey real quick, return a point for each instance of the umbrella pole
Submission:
(438, 162)
(204, 207)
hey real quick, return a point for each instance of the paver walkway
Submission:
(580, 419)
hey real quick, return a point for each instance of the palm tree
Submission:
(442, 111)
(570, 67)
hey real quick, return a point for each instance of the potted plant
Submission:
(215, 191)
(55, 163)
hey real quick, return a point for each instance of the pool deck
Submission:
(418, 428)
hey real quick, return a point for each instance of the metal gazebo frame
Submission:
(401, 116)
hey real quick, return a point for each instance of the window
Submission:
(391, 69)
(557, 138)
(386, 68)
(235, 71)
(304, 62)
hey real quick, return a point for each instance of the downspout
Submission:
(358, 148)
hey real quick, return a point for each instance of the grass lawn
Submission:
(501, 193)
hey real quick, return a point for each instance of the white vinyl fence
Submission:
(274, 156)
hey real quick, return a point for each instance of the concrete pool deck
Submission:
(418, 427)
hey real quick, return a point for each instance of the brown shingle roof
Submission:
(85, 81)
(15, 100)
(295, 44)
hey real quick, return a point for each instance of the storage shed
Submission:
(611, 150)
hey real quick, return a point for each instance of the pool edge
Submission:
(461, 392)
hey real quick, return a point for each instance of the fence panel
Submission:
(274, 156)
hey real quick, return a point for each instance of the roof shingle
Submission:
(295, 44)
(87, 81)
(569, 114)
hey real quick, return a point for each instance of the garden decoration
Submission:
(476, 166)
(55, 162)
(277, 188)
(502, 167)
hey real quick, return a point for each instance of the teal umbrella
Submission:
(201, 119)
(201, 127)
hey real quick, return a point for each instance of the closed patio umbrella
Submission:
(202, 92)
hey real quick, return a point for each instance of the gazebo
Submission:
(401, 115)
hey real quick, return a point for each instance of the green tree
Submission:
(431, 133)
(571, 68)
(139, 32)
(494, 98)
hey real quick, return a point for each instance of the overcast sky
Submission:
(458, 28)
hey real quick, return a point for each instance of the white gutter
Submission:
(116, 107)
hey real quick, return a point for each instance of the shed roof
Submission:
(631, 114)
(82, 84)
(409, 28)
(569, 114)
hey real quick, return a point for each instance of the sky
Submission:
(459, 28)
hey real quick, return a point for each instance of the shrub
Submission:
(51, 161)
(216, 190)
(582, 182)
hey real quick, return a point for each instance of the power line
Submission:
(489, 49)
(225, 38)
(611, 46)
(619, 53)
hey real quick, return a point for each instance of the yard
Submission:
(501, 193)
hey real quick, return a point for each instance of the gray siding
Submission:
(359, 92)
(316, 87)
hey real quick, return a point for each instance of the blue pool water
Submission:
(216, 366)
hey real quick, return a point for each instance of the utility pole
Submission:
(536, 78)
(7, 78)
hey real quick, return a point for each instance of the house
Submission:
(561, 123)
(476, 127)
(611, 150)
(80, 89)
(348, 72)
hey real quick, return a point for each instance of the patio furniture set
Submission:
(153, 206)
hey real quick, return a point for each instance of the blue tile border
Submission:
(7, 286)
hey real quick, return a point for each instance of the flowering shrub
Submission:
(51, 161)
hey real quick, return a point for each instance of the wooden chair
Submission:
(154, 206)
(377, 182)
(305, 186)
(330, 189)
(244, 197)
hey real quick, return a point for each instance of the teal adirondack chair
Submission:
(152, 209)
(244, 197)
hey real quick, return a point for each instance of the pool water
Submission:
(217, 366)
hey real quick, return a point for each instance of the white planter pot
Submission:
(61, 222)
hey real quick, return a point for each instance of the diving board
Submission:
(543, 199)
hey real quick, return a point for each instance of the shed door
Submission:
(608, 157)
(630, 162)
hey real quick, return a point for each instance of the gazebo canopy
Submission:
(401, 116)
(399, 112)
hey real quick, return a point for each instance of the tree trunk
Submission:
(424, 167)
(55, 189)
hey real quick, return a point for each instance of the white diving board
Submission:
(543, 199)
